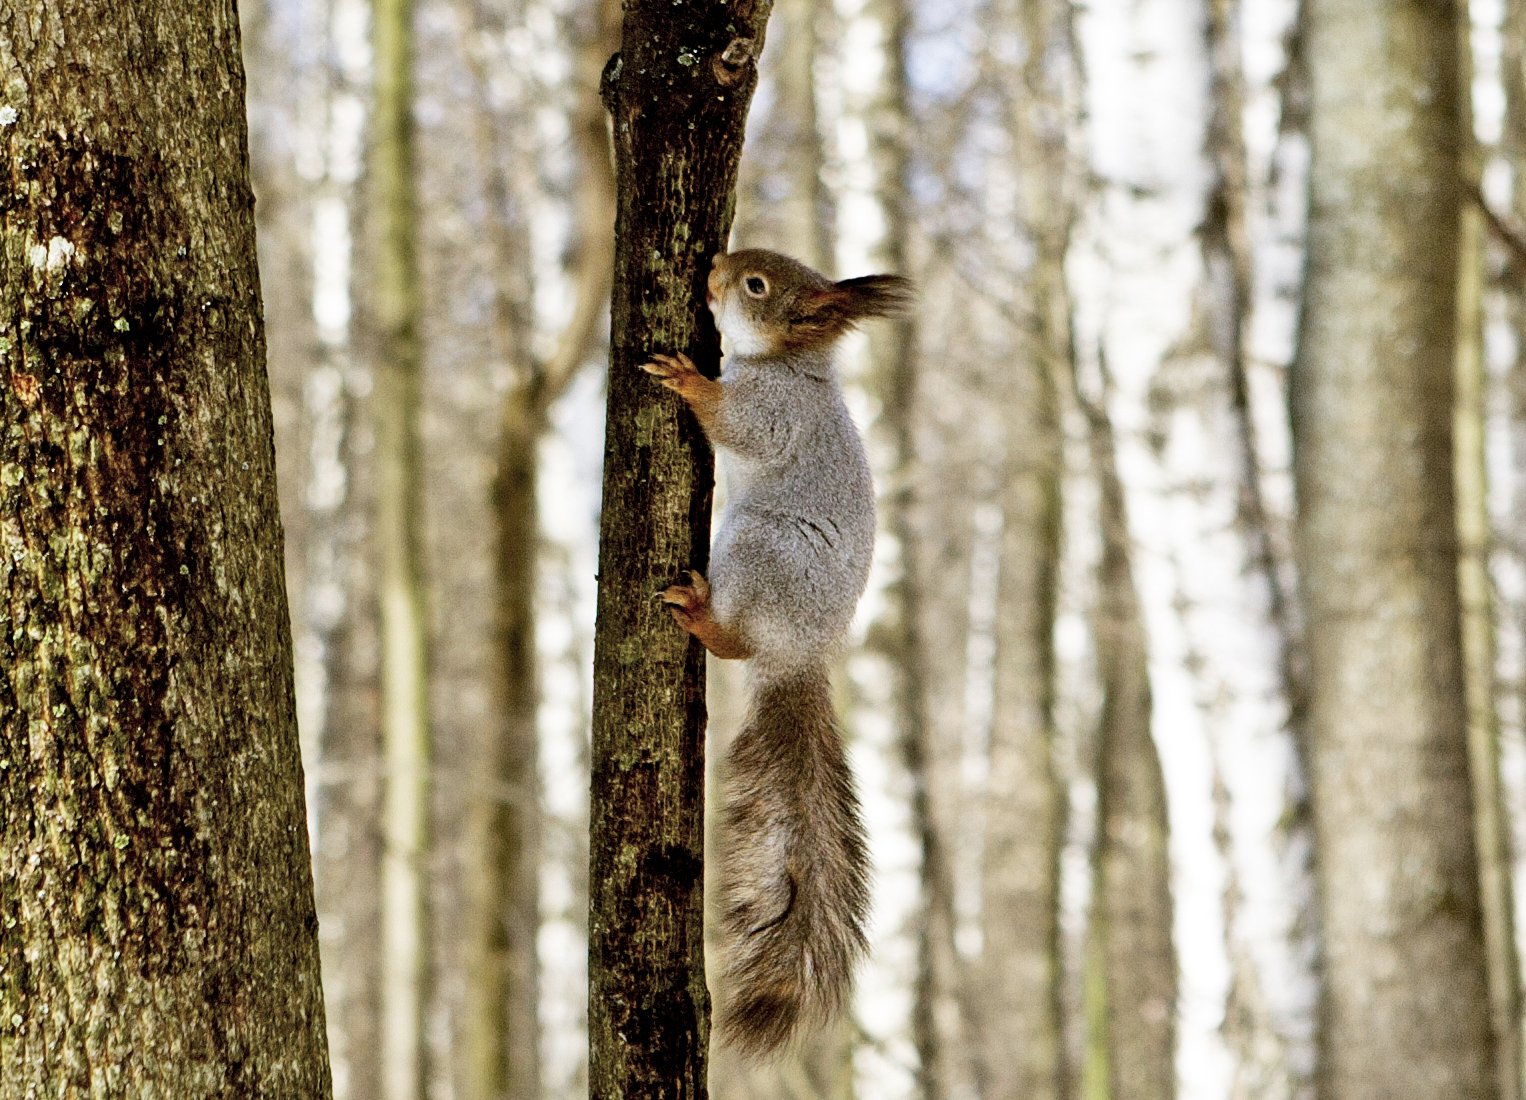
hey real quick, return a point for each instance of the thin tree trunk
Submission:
(1227, 262)
(406, 749)
(1511, 694)
(305, 251)
(937, 1028)
(678, 92)
(1132, 962)
(1405, 1009)
(1020, 1023)
(340, 495)
(503, 1027)
(786, 203)
(1251, 1028)
(505, 1022)
(1475, 543)
(159, 936)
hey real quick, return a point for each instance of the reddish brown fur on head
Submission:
(767, 303)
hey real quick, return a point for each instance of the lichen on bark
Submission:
(158, 935)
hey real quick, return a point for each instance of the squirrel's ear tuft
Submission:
(827, 313)
(874, 295)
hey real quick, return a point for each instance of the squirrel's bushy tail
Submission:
(794, 864)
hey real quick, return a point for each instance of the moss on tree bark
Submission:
(158, 936)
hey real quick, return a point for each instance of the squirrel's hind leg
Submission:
(690, 607)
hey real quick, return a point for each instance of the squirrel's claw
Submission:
(687, 597)
(669, 367)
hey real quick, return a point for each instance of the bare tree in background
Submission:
(678, 92)
(1476, 600)
(1508, 544)
(504, 1000)
(406, 744)
(159, 934)
(1131, 971)
(308, 85)
(901, 635)
(1020, 1024)
(1406, 1009)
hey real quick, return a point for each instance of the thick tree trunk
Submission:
(1132, 962)
(159, 936)
(1406, 1009)
(678, 92)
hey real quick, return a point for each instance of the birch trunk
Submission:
(1132, 961)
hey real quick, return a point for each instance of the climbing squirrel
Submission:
(787, 568)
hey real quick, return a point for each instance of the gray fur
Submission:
(788, 566)
(789, 563)
(791, 557)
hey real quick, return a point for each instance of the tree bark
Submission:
(1405, 1009)
(159, 936)
(1132, 961)
(678, 92)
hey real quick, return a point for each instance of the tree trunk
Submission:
(1405, 1010)
(508, 1061)
(503, 1033)
(678, 92)
(159, 936)
(938, 1029)
(406, 749)
(1510, 610)
(1132, 963)
(1475, 543)
(1020, 1025)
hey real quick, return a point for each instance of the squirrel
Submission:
(788, 565)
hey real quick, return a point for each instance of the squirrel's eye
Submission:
(756, 285)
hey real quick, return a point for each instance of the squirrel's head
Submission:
(768, 304)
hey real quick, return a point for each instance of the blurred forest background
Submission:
(1103, 651)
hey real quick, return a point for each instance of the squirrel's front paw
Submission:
(676, 372)
(689, 604)
(679, 374)
(687, 601)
